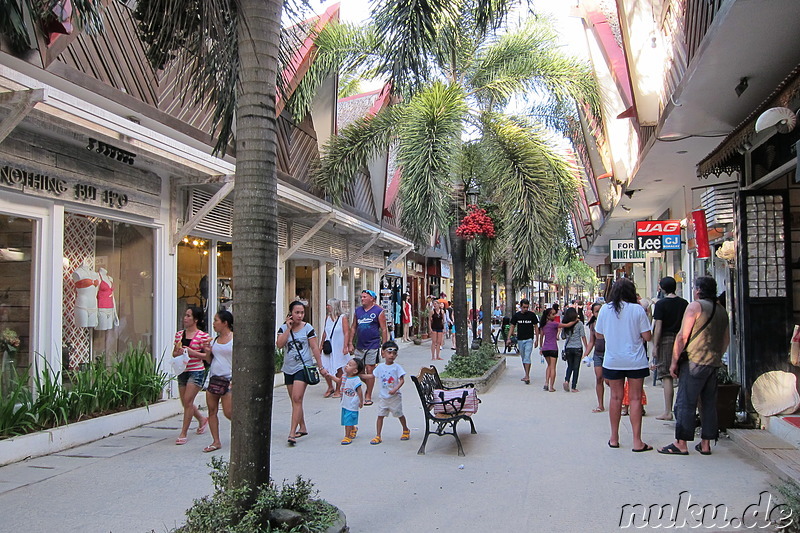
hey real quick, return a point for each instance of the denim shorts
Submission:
(525, 347)
(349, 418)
(597, 358)
(198, 377)
(621, 374)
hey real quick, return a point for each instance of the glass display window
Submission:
(224, 276)
(108, 287)
(17, 235)
(193, 275)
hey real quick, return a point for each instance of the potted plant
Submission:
(417, 338)
(727, 398)
(423, 322)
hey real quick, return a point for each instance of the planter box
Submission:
(482, 383)
(727, 396)
(64, 437)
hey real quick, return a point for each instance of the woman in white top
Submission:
(220, 353)
(336, 331)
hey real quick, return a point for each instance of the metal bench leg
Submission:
(458, 441)
(472, 424)
(421, 450)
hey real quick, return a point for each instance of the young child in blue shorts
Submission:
(352, 397)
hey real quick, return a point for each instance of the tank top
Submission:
(707, 347)
(437, 321)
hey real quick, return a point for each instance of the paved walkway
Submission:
(538, 463)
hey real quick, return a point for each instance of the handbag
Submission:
(564, 351)
(684, 356)
(327, 347)
(456, 401)
(311, 373)
(218, 385)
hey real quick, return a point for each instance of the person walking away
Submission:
(573, 348)
(526, 325)
(548, 343)
(335, 338)
(624, 325)
(599, 347)
(302, 348)
(704, 337)
(390, 377)
(192, 338)
(436, 322)
(352, 397)
(667, 316)
(369, 324)
(220, 352)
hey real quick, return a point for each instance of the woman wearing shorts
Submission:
(190, 382)
(436, 323)
(221, 370)
(599, 347)
(300, 348)
(624, 325)
(548, 343)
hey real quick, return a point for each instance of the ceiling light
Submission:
(195, 243)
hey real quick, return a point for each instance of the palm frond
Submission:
(348, 153)
(20, 18)
(429, 135)
(537, 187)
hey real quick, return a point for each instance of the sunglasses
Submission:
(391, 350)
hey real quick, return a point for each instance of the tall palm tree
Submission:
(468, 78)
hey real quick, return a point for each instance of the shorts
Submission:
(289, 379)
(525, 347)
(198, 377)
(663, 362)
(437, 330)
(621, 374)
(349, 418)
(550, 353)
(392, 404)
(597, 358)
(370, 356)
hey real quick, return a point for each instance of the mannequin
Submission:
(107, 305)
(86, 283)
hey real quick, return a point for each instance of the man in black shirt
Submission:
(668, 316)
(525, 324)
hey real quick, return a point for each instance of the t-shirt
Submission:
(297, 351)
(222, 363)
(670, 312)
(574, 338)
(524, 322)
(550, 332)
(387, 377)
(623, 334)
(350, 393)
(368, 328)
(197, 342)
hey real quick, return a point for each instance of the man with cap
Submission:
(369, 325)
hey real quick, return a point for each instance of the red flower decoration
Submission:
(476, 224)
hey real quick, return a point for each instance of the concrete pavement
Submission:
(538, 463)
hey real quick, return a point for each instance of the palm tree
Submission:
(460, 84)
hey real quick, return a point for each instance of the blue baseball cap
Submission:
(371, 293)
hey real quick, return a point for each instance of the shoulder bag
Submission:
(564, 351)
(218, 385)
(311, 372)
(685, 353)
(327, 347)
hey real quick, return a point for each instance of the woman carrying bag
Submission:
(334, 351)
(220, 352)
(300, 361)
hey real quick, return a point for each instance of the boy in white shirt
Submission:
(390, 376)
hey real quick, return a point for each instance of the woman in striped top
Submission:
(190, 382)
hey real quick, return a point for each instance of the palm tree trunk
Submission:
(255, 249)
(459, 252)
(510, 294)
(486, 297)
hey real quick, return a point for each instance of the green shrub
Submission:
(790, 491)
(225, 509)
(278, 359)
(16, 416)
(473, 365)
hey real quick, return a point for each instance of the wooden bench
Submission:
(426, 382)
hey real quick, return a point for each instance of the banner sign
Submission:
(701, 234)
(624, 251)
(658, 235)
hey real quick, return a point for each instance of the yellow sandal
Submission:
(347, 440)
(406, 435)
(376, 440)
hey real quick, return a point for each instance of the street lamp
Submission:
(472, 199)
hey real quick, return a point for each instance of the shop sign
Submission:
(445, 269)
(28, 181)
(624, 251)
(658, 235)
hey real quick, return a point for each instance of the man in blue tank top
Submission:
(369, 326)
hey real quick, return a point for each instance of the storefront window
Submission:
(16, 292)
(224, 277)
(193, 274)
(108, 287)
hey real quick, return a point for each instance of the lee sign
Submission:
(624, 251)
(657, 235)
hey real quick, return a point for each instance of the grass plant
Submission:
(472, 365)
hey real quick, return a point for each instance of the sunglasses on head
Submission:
(393, 350)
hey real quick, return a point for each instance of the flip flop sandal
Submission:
(597, 410)
(181, 440)
(671, 449)
(368, 402)
(699, 448)
(406, 435)
(645, 448)
(613, 445)
(376, 440)
(202, 428)
(300, 434)
(291, 441)
(211, 448)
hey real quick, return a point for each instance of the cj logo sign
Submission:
(657, 235)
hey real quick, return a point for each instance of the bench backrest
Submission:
(427, 380)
